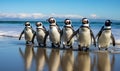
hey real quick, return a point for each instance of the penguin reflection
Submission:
(82, 62)
(27, 56)
(40, 58)
(67, 61)
(54, 60)
(103, 61)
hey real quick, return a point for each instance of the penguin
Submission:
(28, 33)
(105, 36)
(85, 35)
(54, 32)
(41, 34)
(67, 32)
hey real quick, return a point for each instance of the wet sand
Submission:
(16, 56)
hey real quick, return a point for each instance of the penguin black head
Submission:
(67, 22)
(51, 20)
(27, 23)
(39, 24)
(85, 21)
(108, 23)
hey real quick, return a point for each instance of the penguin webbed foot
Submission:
(95, 44)
(32, 42)
(99, 48)
(41, 45)
(52, 45)
(68, 42)
(71, 47)
(87, 49)
(106, 49)
(58, 45)
(63, 46)
(44, 45)
(80, 48)
(27, 42)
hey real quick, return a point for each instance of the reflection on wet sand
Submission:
(67, 61)
(40, 57)
(82, 62)
(27, 56)
(54, 60)
(103, 61)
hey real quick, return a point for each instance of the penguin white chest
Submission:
(66, 35)
(40, 35)
(54, 35)
(104, 39)
(28, 34)
(84, 37)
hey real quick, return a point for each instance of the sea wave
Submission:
(16, 34)
(12, 34)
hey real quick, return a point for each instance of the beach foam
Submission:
(12, 34)
(16, 34)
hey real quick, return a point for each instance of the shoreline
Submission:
(15, 41)
(15, 52)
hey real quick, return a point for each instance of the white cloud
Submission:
(37, 15)
(93, 16)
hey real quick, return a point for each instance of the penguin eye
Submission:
(52, 21)
(27, 24)
(38, 25)
(67, 22)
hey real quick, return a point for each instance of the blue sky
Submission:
(60, 8)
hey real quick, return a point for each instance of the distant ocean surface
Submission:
(14, 28)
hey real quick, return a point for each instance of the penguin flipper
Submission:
(21, 34)
(92, 36)
(33, 31)
(113, 39)
(72, 28)
(44, 27)
(33, 37)
(74, 33)
(46, 35)
(100, 32)
(59, 30)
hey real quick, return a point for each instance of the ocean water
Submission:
(14, 28)
(16, 56)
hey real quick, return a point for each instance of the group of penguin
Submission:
(84, 34)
